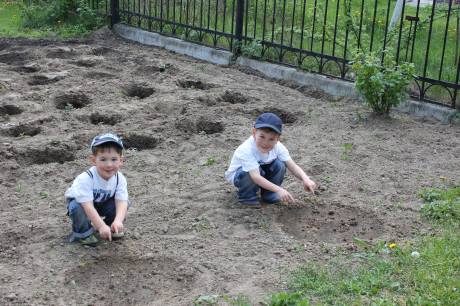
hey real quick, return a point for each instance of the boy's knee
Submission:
(74, 208)
(278, 166)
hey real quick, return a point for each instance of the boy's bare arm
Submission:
(308, 184)
(282, 193)
(121, 207)
(93, 215)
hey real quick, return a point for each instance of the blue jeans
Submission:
(81, 224)
(247, 189)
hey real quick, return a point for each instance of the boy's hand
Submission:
(309, 185)
(105, 232)
(116, 227)
(285, 196)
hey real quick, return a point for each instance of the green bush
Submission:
(381, 81)
(72, 17)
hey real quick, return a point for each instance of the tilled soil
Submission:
(186, 234)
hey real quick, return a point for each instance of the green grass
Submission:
(317, 33)
(33, 19)
(386, 272)
(10, 19)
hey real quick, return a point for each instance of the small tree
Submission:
(381, 81)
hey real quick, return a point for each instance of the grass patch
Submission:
(44, 18)
(423, 272)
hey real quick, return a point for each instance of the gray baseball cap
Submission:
(107, 137)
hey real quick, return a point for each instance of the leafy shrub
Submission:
(382, 82)
(252, 50)
(72, 16)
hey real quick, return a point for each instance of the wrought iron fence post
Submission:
(114, 16)
(239, 26)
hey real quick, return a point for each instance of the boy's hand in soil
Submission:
(309, 185)
(105, 232)
(285, 196)
(116, 227)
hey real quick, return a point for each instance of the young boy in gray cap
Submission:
(261, 162)
(99, 192)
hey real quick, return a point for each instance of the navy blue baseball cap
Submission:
(107, 137)
(269, 120)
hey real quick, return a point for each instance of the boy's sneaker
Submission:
(88, 241)
(252, 203)
(275, 200)
(120, 235)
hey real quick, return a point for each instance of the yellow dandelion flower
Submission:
(392, 245)
(443, 178)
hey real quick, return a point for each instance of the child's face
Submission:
(265, 141)
(107, 163)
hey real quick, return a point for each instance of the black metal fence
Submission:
(320, 36)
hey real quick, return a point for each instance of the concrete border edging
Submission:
(218, 57)
(331, 86)
(221, 57)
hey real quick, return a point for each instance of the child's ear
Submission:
(93, 160)
(253, 132)
(121, 160)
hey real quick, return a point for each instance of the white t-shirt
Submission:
(249, 157)
(86, 188)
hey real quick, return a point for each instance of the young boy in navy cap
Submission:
(261, 162)
(99, 192)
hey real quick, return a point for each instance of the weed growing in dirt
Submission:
(359, 118)
(209, 161)
(419, 272)
(241, 300)
(287, 299)
(309, 111)
(207, 300)
(327, 179)
(4, 89)
(199, 67)
(395, 205)
(43, 194)
(345, 156)
(118, 94)
(203, 226)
